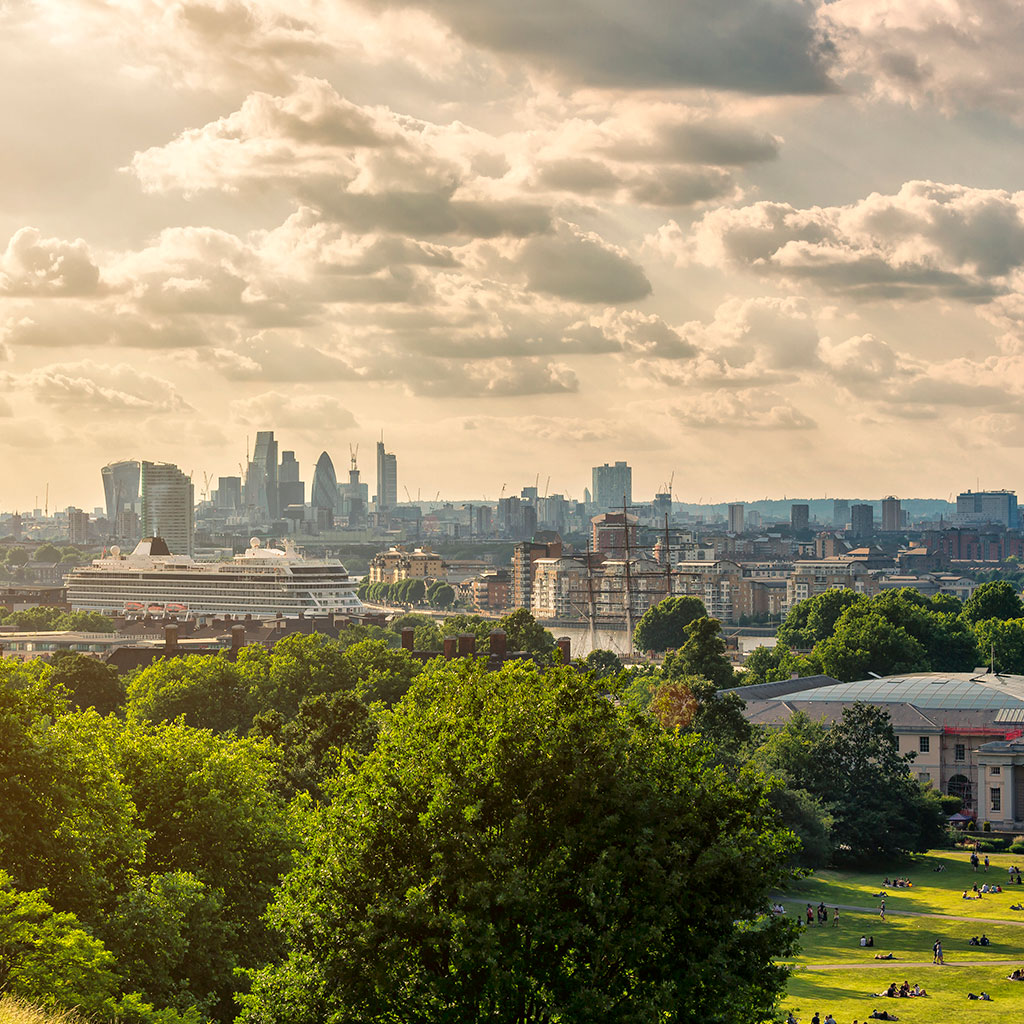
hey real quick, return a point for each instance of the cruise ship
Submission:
(262, 582)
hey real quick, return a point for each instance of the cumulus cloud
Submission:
(499, 378)
(34, 265)
(70, 328)
(581, 266)
(741, 410)
(297, 411)
(927, 239)
(957, 54)
(755, 46)
(84, 388)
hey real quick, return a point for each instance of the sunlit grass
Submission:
(17, 1011)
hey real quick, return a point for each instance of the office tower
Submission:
(168, 504)
(840, 512)
(355, 495)
(387, 481)
(264, 459)
(892, 514)
(613, 485)
(735, 518)
(120, 487)
(290, 489)
(324, 492)
(862, 521)
(980, 507)
(529, 494)
(799, 518)
(229, 492)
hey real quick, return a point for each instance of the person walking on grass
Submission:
(881, 910)
(937, 952)
(986, 863)
(835, 918)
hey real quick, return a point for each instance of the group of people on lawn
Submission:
(904, 991)
(822, 914)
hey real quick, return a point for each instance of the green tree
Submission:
(442, 596)
(701, 654)
(996, 600)
(35, 619)
(416, 592)
(879, 808)
(481, 628)
(693, 704)
(661, 627)
(865, 641)
(207, 692)
(1005, 639)
(814, 618)
(91, 683)
(46, 553)
(16, 557)
(948, 642)
(602, 663)
(518, 849)
(524, 633)
(87, 622)
(772, 664)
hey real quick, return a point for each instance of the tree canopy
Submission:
(662, 626)
(517, 849)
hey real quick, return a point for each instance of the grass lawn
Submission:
(847, 992)
(909, 938)
(933, 892)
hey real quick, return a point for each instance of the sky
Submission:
(761, 248)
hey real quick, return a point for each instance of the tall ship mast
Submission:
(263, 582)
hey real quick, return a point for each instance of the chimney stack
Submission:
(171, 636)
(499, 644)
(467, 645)
(564, 645)
(451, 647)
(408, 638)
(237, 638)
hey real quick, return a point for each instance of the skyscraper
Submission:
(892, 514)
(168, 503)
(120, 487)
(862, 521)
(387, 481)
(229, 492)
(324, 493)
(264, 458)
(290, 489)
(840, 512)
(735, 518)
(354, 495)
(612, 485)
(799, 518)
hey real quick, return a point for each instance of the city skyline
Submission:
(773, 250)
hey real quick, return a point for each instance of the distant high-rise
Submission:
(264, 459)
(120, 487)
(168, 505)
(290, 489)
(862, 521)
(840, 512)
(324, 492)
(988, 507)
(229, 492)
(799, 518)
(354, 495)
(78, 526)
(892, 514)
(613, 485)
(387, 481)
(735, 518)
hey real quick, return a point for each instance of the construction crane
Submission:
(546, 486)
(502, 495)
(205, 493)
(354, 452)
(407, 494)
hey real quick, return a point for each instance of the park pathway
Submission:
(889, 912)
(905, 963)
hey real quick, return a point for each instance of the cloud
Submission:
(957, 54)
(927, 239)
(499, 378)
(297, 411)
(741, 410)
(756, 46)
(34, 265)
(85, 389)
(69, 328)
(581, 266)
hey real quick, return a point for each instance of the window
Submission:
(960, 785)
(995, 770)
(924, 777)
(923, 744)
(995, 798)
(959, 752)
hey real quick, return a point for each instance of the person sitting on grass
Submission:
(974, 941)
(1016, 975)
(904, 991)
(891, 991)
(984, 940)
(917, 990)
(790, 1019)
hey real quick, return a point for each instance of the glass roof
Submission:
(954, 693)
